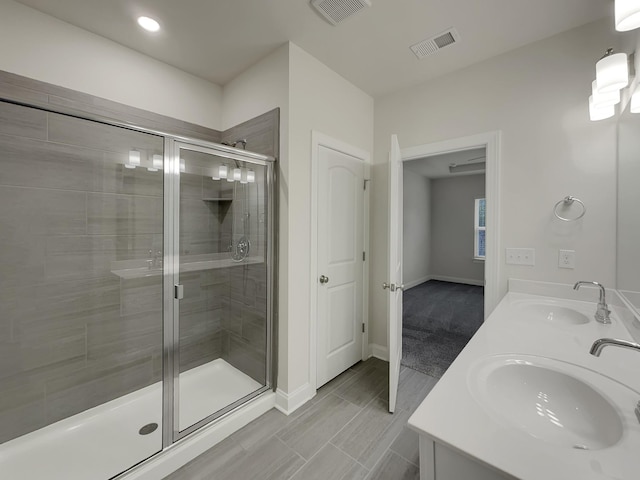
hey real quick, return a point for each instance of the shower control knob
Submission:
(324, 279)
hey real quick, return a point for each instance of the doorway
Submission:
(397, 158)
(444, 231)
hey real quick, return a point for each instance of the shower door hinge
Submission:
(363, 328)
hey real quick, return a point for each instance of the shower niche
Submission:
(137, 283)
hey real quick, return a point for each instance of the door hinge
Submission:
(364, 256)
(363, 328)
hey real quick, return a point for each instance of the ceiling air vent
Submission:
(432, 45)
(336, 11)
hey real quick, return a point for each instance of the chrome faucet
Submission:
(599, 344)
(602, 312)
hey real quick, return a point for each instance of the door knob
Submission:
(324, 279)
(400, 287)
(385, 285)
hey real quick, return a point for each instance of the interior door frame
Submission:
(491, 142)
(318, 140)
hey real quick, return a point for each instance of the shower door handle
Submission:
(178, 291)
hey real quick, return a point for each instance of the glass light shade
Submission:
(230, 179)
(134, 159)
(635, 101)
(243, 176)
(612, 73)
(223, 171)
(156, 163)
(627, 15)
(604, 99)
(237, 174)
(251, 176)
(600, 113)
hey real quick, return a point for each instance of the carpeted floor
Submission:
(438, 320)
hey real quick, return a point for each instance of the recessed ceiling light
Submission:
(149, 24)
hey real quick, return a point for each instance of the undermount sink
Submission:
(554, 313)
(553, 401)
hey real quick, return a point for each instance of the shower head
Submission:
(242, 141)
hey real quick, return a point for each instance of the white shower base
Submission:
(102, 442)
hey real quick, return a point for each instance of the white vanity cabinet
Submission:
(438, 462)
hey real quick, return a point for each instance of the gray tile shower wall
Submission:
(245, 325)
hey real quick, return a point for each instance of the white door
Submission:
(395, 286)
(340, 262)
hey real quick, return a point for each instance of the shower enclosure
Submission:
(136, 286)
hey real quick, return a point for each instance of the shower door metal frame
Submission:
(171, 360)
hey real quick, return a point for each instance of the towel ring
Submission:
(566, 201)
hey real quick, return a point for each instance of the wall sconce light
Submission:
(251, 176)
(134, 159)
(243, 177)
(237, 174)
(604, 99)
(612, 72)
(627, 15)
(635, 101)
(600, 113)
(156, 163)
(223, 171)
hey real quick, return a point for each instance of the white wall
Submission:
(41, 47)
(259, 89)
(452, 232)
(319, 99)
(311, 97)
(416, 228)
(537, 96)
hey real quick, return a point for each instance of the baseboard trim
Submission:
(181, 453)
(288, 403)
(466, 281)
(417, 282)
(379, 351)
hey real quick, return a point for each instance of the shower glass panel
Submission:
(223, 320)
(81, 238)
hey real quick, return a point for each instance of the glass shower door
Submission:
(221, 284)
(81, 321)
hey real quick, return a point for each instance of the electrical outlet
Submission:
(521, 256)
(567, 259)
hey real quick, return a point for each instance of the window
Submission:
(479, 229)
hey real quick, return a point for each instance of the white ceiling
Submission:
(437, 166)
(218, 39)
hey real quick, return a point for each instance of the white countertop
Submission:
(452, 415)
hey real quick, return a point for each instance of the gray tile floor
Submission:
(344, 433)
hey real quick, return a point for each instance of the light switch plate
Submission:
(521, 256)
(567, 259)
